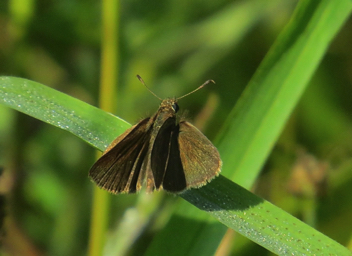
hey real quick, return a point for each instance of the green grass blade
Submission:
(223, 199)
(234, 206)
(256, 122)
(229, 203)
(261, 221)
(89, 123)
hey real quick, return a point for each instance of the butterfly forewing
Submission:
(174, 179)
(165, 158)
(200, 159)
(120, 166)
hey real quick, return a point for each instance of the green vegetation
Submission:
(279, 114)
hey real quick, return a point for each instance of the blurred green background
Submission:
(175, 46)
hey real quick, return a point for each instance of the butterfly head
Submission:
(170, 104)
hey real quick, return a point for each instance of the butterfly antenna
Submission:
(200, 87)
(141, 80)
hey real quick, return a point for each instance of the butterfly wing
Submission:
(122, 164)
(182, 157)
(200, 159)
(166, 163)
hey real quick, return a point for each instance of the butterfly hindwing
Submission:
(200, 159)
(120, 166)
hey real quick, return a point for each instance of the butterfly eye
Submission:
(175, 107)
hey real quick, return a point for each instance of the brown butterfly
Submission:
(158, 152)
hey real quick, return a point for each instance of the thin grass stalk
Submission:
(107, 102)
